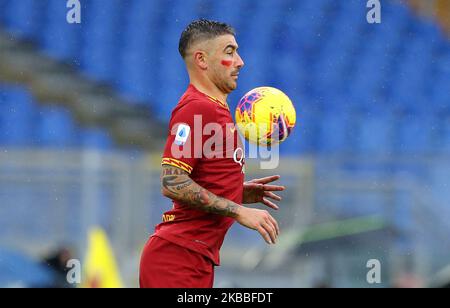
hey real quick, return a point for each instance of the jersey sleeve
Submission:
(185, 140)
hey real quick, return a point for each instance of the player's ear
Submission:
(200, 59)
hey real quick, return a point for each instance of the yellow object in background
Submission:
(100, 270)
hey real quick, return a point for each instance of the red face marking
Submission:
(227, 63)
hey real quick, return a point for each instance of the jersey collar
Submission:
(212, 98)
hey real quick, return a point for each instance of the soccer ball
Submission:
(265, 116)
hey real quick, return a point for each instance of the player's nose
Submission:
(239, 63)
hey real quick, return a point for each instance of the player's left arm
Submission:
(259, 190)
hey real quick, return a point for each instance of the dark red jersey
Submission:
(204, 142)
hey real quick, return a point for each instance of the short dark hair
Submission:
(200, 30)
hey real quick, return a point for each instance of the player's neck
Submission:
(209, 89)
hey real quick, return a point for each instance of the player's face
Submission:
(225, 63)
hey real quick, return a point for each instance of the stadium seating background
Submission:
(362, 91)
(348, 78)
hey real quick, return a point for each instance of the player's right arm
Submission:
(177, 185)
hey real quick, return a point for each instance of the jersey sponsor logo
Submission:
(183, 133)
(238, 156)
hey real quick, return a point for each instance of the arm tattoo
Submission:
(179, 186)
(173, 184)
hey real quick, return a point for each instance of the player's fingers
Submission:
(275, 224)
(270, 204)
(274, 188)
(254, 186)
(268, 179)
(268, 226)
(264, 234)
(272, 196)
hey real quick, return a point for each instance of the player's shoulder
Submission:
(189, 109)
(195, 103)
(194, 98)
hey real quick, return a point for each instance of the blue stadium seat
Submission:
(303, 138)
(22, 17)
(332, 134)
(440, 95)
(95, 138)
(231, 12)
(102, 37)
(286, 74)
(439, 181)
(403, 209)
(374, 135)
(142, 26)
(443, 137)
(59, 38)
(3, 11)
(415, 134)
(131, 78)
(139, 63)
(55, 128)
(17, 112)
(25, 123)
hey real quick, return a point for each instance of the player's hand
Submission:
(258, 190)
(261, 221)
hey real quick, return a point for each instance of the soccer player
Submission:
(204, 179)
